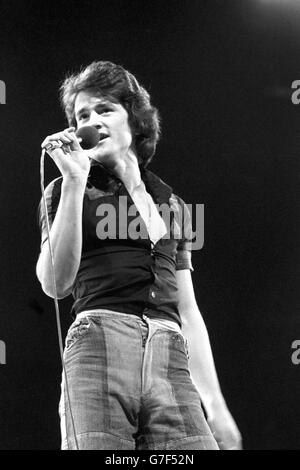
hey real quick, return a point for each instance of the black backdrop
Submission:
(220, 73)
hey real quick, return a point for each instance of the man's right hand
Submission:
(71, 160)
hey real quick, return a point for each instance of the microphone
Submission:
(89, 135)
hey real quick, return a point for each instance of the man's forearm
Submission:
(66, 240)
(201, 363)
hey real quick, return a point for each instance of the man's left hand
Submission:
(224, 429)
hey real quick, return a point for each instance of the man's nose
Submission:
(95, 120)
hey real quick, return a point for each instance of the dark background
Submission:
(220, 72)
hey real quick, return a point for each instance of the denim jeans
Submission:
(129, 386)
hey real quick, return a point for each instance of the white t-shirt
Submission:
(156, 227)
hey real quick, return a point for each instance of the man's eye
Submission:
(105, 110)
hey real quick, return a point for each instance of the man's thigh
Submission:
(102, 359)
(172, 416)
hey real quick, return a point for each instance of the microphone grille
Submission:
(89, 135)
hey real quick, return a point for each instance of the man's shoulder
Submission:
(157, 186)
(163, 189)
(177, 199)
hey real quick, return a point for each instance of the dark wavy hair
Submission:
(114, 82)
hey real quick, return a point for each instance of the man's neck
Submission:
(128, 171)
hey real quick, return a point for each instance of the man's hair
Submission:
(113, 82)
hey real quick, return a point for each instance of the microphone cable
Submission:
(57, 312)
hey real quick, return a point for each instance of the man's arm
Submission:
(66, 240)
(202, 366)
(66, 230)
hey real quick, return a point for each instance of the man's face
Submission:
(111, 120)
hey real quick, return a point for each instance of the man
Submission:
(135, 311)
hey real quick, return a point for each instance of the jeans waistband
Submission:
(168, 324)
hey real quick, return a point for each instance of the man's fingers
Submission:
(66, 137)
(75, 145)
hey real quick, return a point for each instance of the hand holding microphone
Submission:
(67, 149)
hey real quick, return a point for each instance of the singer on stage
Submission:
(138, 361)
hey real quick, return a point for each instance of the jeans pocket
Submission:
(77, 330)
(181, 342)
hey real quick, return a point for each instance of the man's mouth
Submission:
(103, 136)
